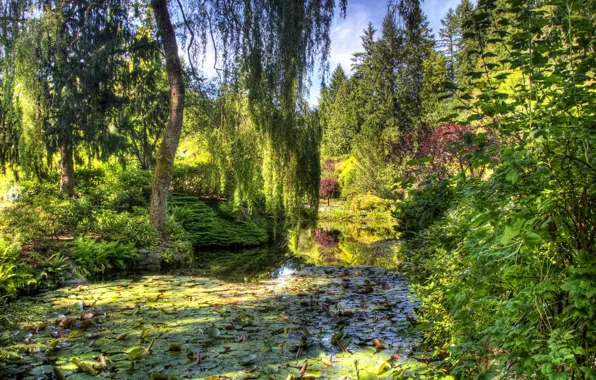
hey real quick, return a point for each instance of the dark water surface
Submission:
(328, 244)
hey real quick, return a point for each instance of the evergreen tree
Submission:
(338, 115)
(449, 38)
(65, 68)
(465, 45)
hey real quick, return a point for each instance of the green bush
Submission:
(133, 227)
(367, 204)
(202, 179)
(12, 275)
(125, 189)
(93, 257)
(424, 205)
(228, 209)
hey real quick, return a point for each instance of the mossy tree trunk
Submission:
(167, 151)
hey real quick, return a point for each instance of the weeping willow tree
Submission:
(267, 49)
(246, 155)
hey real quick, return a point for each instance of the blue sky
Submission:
(345, 33)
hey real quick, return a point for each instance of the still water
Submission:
(328, 244)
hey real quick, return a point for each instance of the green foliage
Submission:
(425, 205)
(126, 227)
(369, 203)
(207, 227)
(394, 92)
(346, 171)
(202, 179)
(506, 275)
(93, 257)
(12, 275)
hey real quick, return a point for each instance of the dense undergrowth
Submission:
(47, 237)
(505, 264)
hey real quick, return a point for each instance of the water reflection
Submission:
(346, 244)
(341, 244)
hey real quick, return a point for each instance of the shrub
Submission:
(206, 227)
(12, 275)
(201, 180)
(328, 188)
(425, 205)
(92, 257)
(132, 227)
(228, 209)
(346, 170)
(126, 189)
(368, 203)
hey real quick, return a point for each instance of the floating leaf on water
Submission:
(378, 344)
(84, 367)
(175, 347)
(52, 346)
(248, 360)
(42, 370)
(66, 322)
(144, 334)
(122, 336)
(135, 352)
(368, 376)
(87, 323)
(214, 332)
(303, 369)
(103, 362)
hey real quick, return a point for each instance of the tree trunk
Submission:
(167, 150)
(67, 174)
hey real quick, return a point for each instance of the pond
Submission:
(329, 244)
(321, 306)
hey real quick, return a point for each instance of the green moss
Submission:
(207, 227)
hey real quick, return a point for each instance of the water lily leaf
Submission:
(214, 332)
(248, 360)
(144, 334)
(42, 370)
(368, 376)
(135, 352)
(175, 347)
(158, 376)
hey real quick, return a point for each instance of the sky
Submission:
(345, 33)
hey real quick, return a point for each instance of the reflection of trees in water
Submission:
(327, 238)
(349, 245)
(245, 264)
